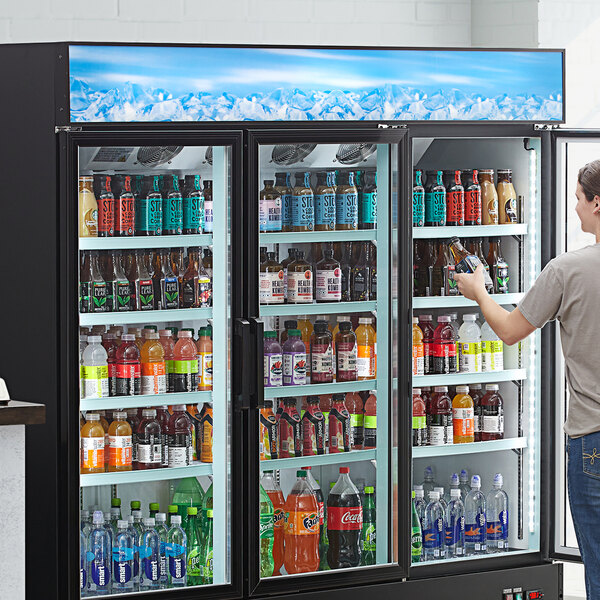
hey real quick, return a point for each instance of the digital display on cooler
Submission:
(535, 595)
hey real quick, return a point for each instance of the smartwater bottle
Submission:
(433, 529)
(497, 513)
(99, 550)
(475, 521)
(163, 532)
(123, 557)
(177, 553)
(150, 557)
(455, 526)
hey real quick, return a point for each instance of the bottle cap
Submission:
(341, 318)
(492, 387)
(85, 514)
(270, 471)
(453, 316)
(192, 510)
(434, 495)
(291, 324)
(107, 517)
(92, 417)
(419, 493)
(344, 469)
(172, 509)
(443, 319)
(462, 389)
(320, 326)
(179, 408)
(164, 332)
(154, 506)
(94, 339)
(135, 505)
(130, 520)
(184, 334)
(415, 320)
(152, 335)
(440, 490)
(425, 318)
(454, 479)
(270, 334)
(294, 333)
(269, 182)
(470, 317)
(107, 336)
(149, 522)
(137, 514)
(114, 511)
(413, 495)
(119, 415)
(128, 337)
(345, 326)
(475, 386)
(98, 517)
(475, 481)
(498, 480)
(209, 513)
(148, 412)
(122, 524)
(416, 391)
(365, 320)
(440, 388)
(428, 472)
(301, 473)
(176, 520)
(464, 476)
(454, 493)
(418, 486)
(369, 489)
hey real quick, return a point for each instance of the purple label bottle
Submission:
(294, 359)
(273, 360)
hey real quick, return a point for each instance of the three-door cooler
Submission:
(260, 377)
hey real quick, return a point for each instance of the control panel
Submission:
(518, 594)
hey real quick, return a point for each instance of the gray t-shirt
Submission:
(568, 289)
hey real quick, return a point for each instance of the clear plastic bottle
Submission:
(420, 503)
(123, 559)
(433, 529)
(465, 488)
(440, 490)
(492, 350)
(418, 349)
(428, 481)
(455, 526)
(177, 554)
(469, 343)
(94, 369)
(497, 517)
(99, 567)
(454, 485)
(163, 532)
(475, 519)
(463, 416)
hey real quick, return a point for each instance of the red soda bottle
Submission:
(444, 347)
(354, 404)
(129, 373)
(339, 426)
(313, 428)
(290, 430)
(425, 323)
(370, 437)
(344, 523)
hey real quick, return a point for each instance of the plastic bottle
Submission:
(149, 441)
(123, 559)
(428, 481)
(92, 445)
(154, 380)
(99, 558)
(476, 393)
(370, 428)
(166, 340)
(135, 529)
(273, 490)
(321, 354)
(313, 428)
(354, 404)
(440, 491)
(195, 569)
(418, 349)
(207, 548)
(492, 414)
(294, 359)
(444, 347)
(433, 529)
(465, 487)
(366, 338)
(268, 435)
(290, 430)
(419, 419)
(339, 426)
(416, 538)
(454, 485)
(425, 324)
(163, 532)
(455, 526)
(188, 493)
(120, 444)
(475, 519)
(492, 350)
(94, 369)
(368, 538)
(301, 534)
(179, 438)
(463, 416)
(185, 363)
(273, 360)
(205, 359)
(176, 554)
(455, 327)
(497, 517)
(346, 352)
(127, 360)
(440, 430)
(469, 340)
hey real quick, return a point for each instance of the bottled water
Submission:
(115, 517)
(469, 343)
(99, 550)
(135, 532)
(492, 350)
(433, 529)
(163, 532)
(177, 553)
(420, 503)
(108, 526)
(465, 488)
(82, 564)
(150, 557)
(454, 485)
(497, 513)
(455, 526)
(428, 481)
(123, 559)
(440, 491)
(475, 521)
(86, 524)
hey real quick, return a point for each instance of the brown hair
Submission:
(589, 179)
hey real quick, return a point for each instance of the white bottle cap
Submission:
(176, 520)
(137, 514)
(420, 493)
(440, 388)
(179, 407)
(184, 334)
(94, 339)
(152, 335)
(161, 518)
(98, 517)
(418, 486)
(148, 412)
(119, 416)
(128, 337)
(454, 493)
(470, 317)
(440, 490)
(415, 320)
(425, 318)
(434, 495)
(443, 319)
(130, 520)
(492, 387)
(476, 481)
(462, 389)
(149, 522)
(122, 524)
(365, 320)
(416, 391)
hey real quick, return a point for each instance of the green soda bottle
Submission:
(207, 548)
(188, 493)
(153, 508)
(267, 532)
(324, 543)
(195, 569)
(207, 504)
(368, 537)
(416, 541)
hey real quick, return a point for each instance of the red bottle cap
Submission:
(344, 469)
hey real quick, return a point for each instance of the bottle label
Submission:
(301, 523)
(271, 290)
(418, 359)
(193, 208)
(313, 428)
(357, 423)
(339, 430)
(473, 207)
(208, 567)
(98, 296)
(492, 355)
(436, 434)
(278, 518)
(106, 216)
(329, 285)
(170, 292)
(92, 453)
(419, 422)
(435, 208)
(444, 357)
(294, 368)
(451, 285)
(346, 209)
(462, 422)
(145, 294)
(94, 381)
(418, 199)
(470, 357)
(204, 291)
(121, 294)
(269, 214)
(290, 434)
(179, 445)
(498, 530)
(365, 361)
(205, 369)
(173, 214)
(150, 565)
(185, 375)
(266, 526)
(455, 533)
(369, 538)
(349, 518)
(208, 216)
(268, 436)
(128, 380)
(501, 278)
(368, 208)
(360, 284)
(154, 379)
(125, 217)
(303, 214)
(273, 369)
(286, 209)
(455, 207)
(321, 360)
(510, 210)
(177, 566)
(149, 449)
(100, 574)
(120, 450)
(300, 287)
(325, 210)
(195, 567)
(122, 571)
(148, 216)
(347, 354)
(433, 537)
(90, 221)
(475, 532)
(492, 424)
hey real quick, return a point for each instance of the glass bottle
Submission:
(507, 197)
(418, 200)
(472, 199)
(88, 208)
(498, 267)
(172, 208)
(303, 204)
(189, 286)
(325, 201)
(361, 274)
(435, 200)
(123, 299)
(193, 205)
(144, 288)
(328, 278)
(106, 208)
(269, 208)
(346, 269)
(208, 206)
(367, 210)
(97, 287)
(271, 284)
(284, 188)
(299, 280)
(489, 197)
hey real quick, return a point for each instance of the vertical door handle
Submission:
(243, 348)
(258, 333)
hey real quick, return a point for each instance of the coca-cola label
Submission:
(347, 518)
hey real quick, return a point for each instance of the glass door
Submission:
(323, 254)
(476, 402)
(155, 329)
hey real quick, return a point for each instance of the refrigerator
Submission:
(310, 154)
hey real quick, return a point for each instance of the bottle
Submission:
(321, 354)
(303, 204)
(435, 200)
(176, 553)
(193, 206)
(208, 206)
(475, 519)
(92, 445)
(299, 280)
(144, 286)
(354, 404)
(291, 257)
(99, 561)
(418, 349)
(127, 359)
(273, 491)
(190, 287)
(194, 569)
(166, 341)
(290, 430)
(124, 208)
(283, 186)
(106, 207)
(148, 206)
(439, 271)
(88, 208)
(455, 526)
(150, 551)
(464, 486)
(96, 289)
(419, 419)
(94, 369)
(271, 281)
(368, 534)
(463, 416)
(153, 367)
(489, 197)
(440, 430)
(289, 324)
(492, 414)
(346, 262)
(205, 359)
(301, 533)
(149, 441)
(454, 485)
(188, 493)
(273, 360)
(465, 262)
(185, 363)
(269, 208)
(469, 342)
(179, 438)
(416, 538)
(269, 441)
(339, 426)
(434, 529)
(135, 528)
(316, 488)
(492, 350)
(360, 281)
(205, 434)
(455, 201)
(294, 359)
(426, 327)
(328, 280)
(120, 445)
(325, 208)
(346, 352)
(507, 198)
(325, 404)
(366, 338)
(498, 267)
(346, 201)
(172, 207)
(167, 282)
(444, 347)
(472, 199)
(497, 517)
(370, 430)
(120, 287)
(420, 271)
(428, 481)
(474, 247)
(418, 203)
(123, 551)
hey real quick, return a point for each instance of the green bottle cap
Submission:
(172, 509)
(136, 505)
(413, 494)
(267, 471)
(369, 489)
(154, 506)
(331, 484)
(153, 327)
(115, 502)
(300, 473)
(270, 334)
(192, 510)
(209, 513)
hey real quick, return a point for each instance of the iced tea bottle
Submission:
(346, 201)
(360, 283)
(120, 444)
(269, 208)
(366, 338)
(328, 278)
(303, 204)
(271, 281)
(154, 376)
(463, 416)
(498, 267)
(144, 286)
(283, 186)
(92, 445)
(507, 197)
(190, 279)
(88, 208)
(418, 349)
(489, 197)
(325, 201)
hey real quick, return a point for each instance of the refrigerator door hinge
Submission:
(544, 127)
(386, 126)
(66, 128)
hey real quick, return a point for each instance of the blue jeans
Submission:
(583, 481)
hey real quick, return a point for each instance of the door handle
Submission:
(258, 333)
(242, 382)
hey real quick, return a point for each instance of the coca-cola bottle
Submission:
(344, 523)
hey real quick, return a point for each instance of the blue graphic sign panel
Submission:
(191, 83)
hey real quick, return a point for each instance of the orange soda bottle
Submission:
(418, 349)
(120, 451)
(92, 445)
(154, 374)
(463, 416)
(366, 340)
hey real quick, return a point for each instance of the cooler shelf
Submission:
(317, 461)
(157, 241)
(460, 301)
(195, 470)
(474, 448)
(321, 308)
(145, 316)
(469, 231)
(307, 237)
(316, 389)
(466, 378)
(117, 402)
(470, 558)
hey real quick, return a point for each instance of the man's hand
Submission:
(472, 285)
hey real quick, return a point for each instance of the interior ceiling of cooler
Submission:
(312, 156)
